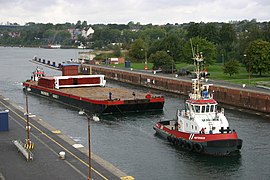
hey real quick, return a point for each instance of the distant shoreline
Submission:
(44, 47)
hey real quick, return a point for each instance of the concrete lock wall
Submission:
(236, 97)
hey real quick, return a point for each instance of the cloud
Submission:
(123, 11)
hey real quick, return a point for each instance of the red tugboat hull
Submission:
(221, 144)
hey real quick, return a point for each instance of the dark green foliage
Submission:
(231, 67)
(173, 45)
(258, 57)
(194, 30)
(36, 35)
(227, 41)
(163, 60)
(207, 48)
(117, 51)
(152, 33)
(138, 50)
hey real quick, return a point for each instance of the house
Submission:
(120, 60)
(113, 60)
(88, 33)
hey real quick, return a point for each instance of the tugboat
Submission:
(200, 127)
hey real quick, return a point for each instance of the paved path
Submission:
(46, 163)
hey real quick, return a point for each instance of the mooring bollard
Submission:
(62, 155)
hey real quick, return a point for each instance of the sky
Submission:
(123, 11)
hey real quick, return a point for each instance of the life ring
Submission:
(188, 146)
(198, 147)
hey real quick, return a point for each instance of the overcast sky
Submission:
(124, 11)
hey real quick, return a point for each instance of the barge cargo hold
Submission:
(89, 93)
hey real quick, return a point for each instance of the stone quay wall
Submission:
(242, 98)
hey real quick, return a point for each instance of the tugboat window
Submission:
(197, 109)
(212, 108)
(207, 108)
(203, 109)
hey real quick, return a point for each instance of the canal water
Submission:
(129, 141)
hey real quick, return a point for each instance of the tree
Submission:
(210, 31)
(137, 50)
(194, 30)
(173, 44)
(117, 51)
(258, 57)
(107, 35)
(227, 36)
(163, 60)
(227, 40)
(81, 39)
(84, 24)
(200, 45)
(152, 34)
(128, 36)
(231, 67)
(78, 24)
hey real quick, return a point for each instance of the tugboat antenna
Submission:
(193, 54)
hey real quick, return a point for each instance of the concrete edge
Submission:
(107, 165)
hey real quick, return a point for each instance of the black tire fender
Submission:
(175, 141)
(184, 142)
(189, 146)
(198, 147)
(180, 142)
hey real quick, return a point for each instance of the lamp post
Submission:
(145, 56)
(248, 69)
(168, 52)
(27, 117)
(28, 143)
(89, 146)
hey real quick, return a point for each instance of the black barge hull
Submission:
(140, 105)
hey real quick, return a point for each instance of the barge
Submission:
(90, 93)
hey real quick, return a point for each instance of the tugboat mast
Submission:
(197, 84)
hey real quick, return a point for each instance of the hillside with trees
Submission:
(244, 41)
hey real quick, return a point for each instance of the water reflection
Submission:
(217, 165)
